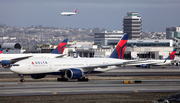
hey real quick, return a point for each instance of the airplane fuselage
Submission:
(68, 13)
(40, 66)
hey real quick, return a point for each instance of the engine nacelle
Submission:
(144, 65)
(6, 63)
(73, 73)
(37, 76)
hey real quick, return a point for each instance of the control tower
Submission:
(132, 25)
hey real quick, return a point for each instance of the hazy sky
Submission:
(156, 14)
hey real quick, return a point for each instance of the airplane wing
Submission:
(139, 62)
(95, 66)
(60, 56)
(127, 63)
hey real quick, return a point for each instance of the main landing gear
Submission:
(62, 79)
(22, 79)
(83, 79)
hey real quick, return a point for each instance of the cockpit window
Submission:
(15, 64)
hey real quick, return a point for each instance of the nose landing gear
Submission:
(22, 79)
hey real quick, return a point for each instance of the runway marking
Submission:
(54, 92)
(135, 91)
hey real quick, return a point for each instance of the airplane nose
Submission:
(13, 69)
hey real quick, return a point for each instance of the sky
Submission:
(156, 15)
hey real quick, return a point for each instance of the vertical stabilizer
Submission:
(119, 50)
(60, 48)
(75, 55)
(172, 55)
(75, 10)
(1, 50)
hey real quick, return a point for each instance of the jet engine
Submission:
(6, 63)
(73, 73)
(144, 66)
(37, 76)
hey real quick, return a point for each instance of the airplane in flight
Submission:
(7, 59)
(167, 61)
(69, 13)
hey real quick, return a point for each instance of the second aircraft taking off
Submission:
(69, 13)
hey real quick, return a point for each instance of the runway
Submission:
(95, 86)
(91, 87)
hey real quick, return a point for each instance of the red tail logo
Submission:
(75, 10)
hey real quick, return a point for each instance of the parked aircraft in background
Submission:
(167, 61)
(75, 54)
(71, 68)
(1, 51)
(69, 13)
(7, 59)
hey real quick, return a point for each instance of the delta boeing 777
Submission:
(70, 68)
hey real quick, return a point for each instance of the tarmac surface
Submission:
(91, 87)
(120, 81)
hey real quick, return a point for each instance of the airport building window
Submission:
(148, 44)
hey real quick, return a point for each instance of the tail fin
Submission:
(172, 55)
(1, 51)
(118, 52)
(75, 55)
(60, 48)
(75, 10)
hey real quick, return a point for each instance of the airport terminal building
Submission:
(106, 41)
(172, 32)
(156, 49)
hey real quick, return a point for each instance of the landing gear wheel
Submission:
(83, 79)
(22, 80)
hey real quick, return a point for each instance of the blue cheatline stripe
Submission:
(50, 73)
(122, 50)
(173, 56)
